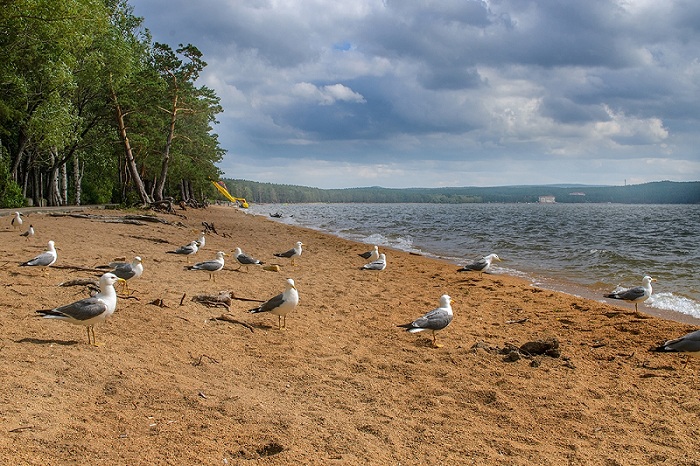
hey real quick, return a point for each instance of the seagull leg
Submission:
(435, 343)
(279, 322)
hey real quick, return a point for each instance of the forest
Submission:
(93, 111)
(661, 192)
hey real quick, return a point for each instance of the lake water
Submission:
(582, 249)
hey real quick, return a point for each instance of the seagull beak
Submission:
(121, 280)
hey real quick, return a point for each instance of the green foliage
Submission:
(62, 63)
(10, 192)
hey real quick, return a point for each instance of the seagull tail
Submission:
(48, 313)
(612, 296)
(410, 328)
(664, 349)
(255, 310)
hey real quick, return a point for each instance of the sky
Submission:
(444, 93)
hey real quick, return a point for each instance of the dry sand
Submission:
(343, 384)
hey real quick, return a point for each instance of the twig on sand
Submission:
(227, 318)
(80, 282)
(197, 361)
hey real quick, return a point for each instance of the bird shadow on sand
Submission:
(41, 341)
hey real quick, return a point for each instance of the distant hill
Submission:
(659, 192)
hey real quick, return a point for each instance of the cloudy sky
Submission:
(409, 93)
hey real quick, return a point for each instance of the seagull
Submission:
(292, 253)
(379, 264)
(634, 295)
(435, 320)
(201, 241)
(89, 311)
(126, 270)
(29, 233)
(17, 220)
(482, 265)
(188, 250)
(280, 305)
(45, 259)
(372, 255)
(210, 266)
(244, 259)
(689, 343)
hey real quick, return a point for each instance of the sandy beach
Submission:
(178, 382)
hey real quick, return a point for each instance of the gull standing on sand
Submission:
(201, 241)
(435, 320)
(17, 220)
(634, 295)
(210, 266)
(688, 343)
(187, 250)
(29, 233)
(482, 265)
(127, 271)
(280, 305)
(292, 253)
(45, 259)
(89, 311)
(245, 259)
(372, 255)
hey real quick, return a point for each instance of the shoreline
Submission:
(534, 278)
(342, 384)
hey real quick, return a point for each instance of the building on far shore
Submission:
(547, 200)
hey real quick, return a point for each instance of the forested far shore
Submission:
(660, 192)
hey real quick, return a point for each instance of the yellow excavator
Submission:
(221, 186)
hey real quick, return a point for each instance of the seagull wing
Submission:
(43, 260)
(631, 294)
(79, 311)
(270, 305)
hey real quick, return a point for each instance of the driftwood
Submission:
(132, 219)
(79, 268)
(223, 299)
(80, 282)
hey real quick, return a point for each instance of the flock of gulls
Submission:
(97, 308)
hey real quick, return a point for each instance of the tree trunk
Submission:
(64, 184)
(77, 178)
(166, 151)
(128, 152)
(54, 190)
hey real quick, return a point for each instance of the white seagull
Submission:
(481, 265)
(187, 250)
(245, 259)
(89, 311)
(634, 295)
(292, 253)
(210, 266)
(435, 320)
(201, 241)
(45, 259)
(17, 220)
(126, 270)
(379, 264)
(281, 305)
(29, 233)
(372, 255)
(688, 343)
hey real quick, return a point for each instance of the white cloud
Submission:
(433, 93)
